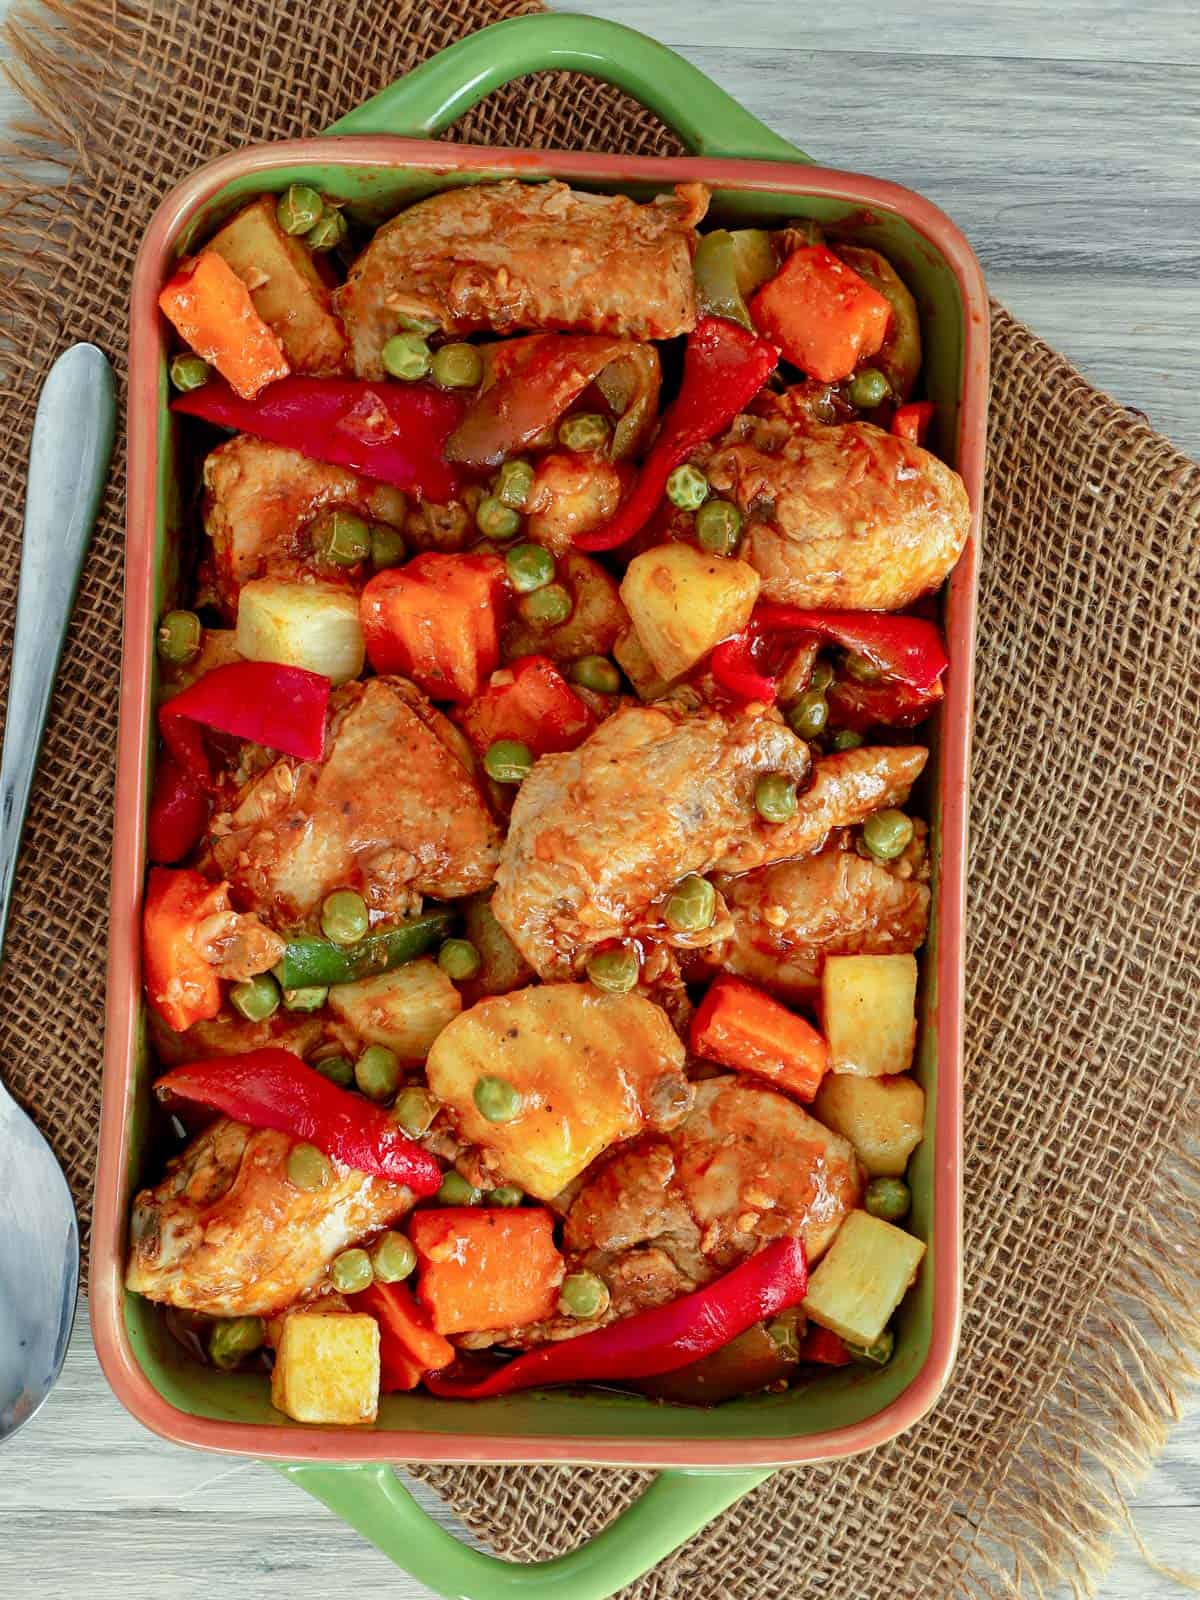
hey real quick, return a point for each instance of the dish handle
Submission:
(372, 1499)
(439, 91)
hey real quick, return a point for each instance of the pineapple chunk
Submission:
(405, 1009)
(868, 1005)
(310, 625)
(883, 1118)
(639, 669)
(683, 602)
(285, 287)
(327, 1367)
(590, 1068)
(862, 1278)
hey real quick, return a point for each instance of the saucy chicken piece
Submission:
(838, 516)
(515, 255)
(393, 810)
(227, 1234)
(788, 917)
(572, 493)
(259, 501)
(600, 834)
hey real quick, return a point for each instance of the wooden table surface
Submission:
(1063, 137)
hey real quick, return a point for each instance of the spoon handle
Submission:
(68, 463)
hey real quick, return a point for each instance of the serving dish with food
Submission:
(535, 991)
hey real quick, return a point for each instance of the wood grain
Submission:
(1064, 139)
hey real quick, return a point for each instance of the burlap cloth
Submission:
(1082, 1324)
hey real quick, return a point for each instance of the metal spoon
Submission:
(39, 1235)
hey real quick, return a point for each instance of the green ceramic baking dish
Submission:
(378, 159)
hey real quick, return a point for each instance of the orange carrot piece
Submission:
(912, 421)
(529, 701)
(437, 620)
(181, 986)
(744, 1028)
(211, 308)
(408, 1345)
(821, 314)
(484, 1269)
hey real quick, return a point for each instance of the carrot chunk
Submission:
(437, 620)
(531, 702)
(484, 1269)
(912, 421)
(211, 308)
(741, 1027)
(408, 1345)
(181, 986)
(821, 314)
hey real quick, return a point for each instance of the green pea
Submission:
(387, 546)
(341, 537)
(179, 637)
(775, 797)
(495, 520)
(415, 1110)
(888, 1198)
(344, 917)
(328, 231)
(691, 905)
(718, 527)
(459, 959)
(190, 372)
(587, 430)
(457, 366)
(310, 998)
(338, 1069)
(351, 1272)
(256, 999)
(809, 714)
(887, 834)
(548, 607)
(232, 1340)
(298, 208)
(583, 1294)
(868, 389)
(687, 488)
(617, 970)
(377, 1072)
(308, 1168)
(507, 761)
(529, 567)
(506, 1195)
(406, 356)
(846, 739)
(393, 1258)
(456, 1191)
(596, 673)
(497, 1099)
(877, 1354)
(513, 483)
(861, 669)
(822, 676)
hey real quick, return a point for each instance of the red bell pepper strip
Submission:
(280, 707)
(907, 649)
(724, 367)
(273, 1088)
(912, 421)
(178, 812)
(658, 1340)
(862, 706)
(394, 432)
(824, 1348)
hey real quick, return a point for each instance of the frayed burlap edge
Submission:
(1051, 1518)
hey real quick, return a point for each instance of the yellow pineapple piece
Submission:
(862, 1278)
(868, 1006)
(327, 1367)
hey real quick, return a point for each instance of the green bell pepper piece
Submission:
(716, 278)
(318, 962)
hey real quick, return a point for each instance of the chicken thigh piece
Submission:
(393, 810)
(226, 1233)
(259, 501)
(839, 517)
(515, 255)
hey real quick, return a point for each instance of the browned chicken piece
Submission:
(227, 1234)
(841, 516)
(661, 1216)
(394, 810)
(600, 834)
(572, 493)
(788, 917)
(515, 255)
(259, 501)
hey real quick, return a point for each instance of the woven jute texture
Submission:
(1082, 1322)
